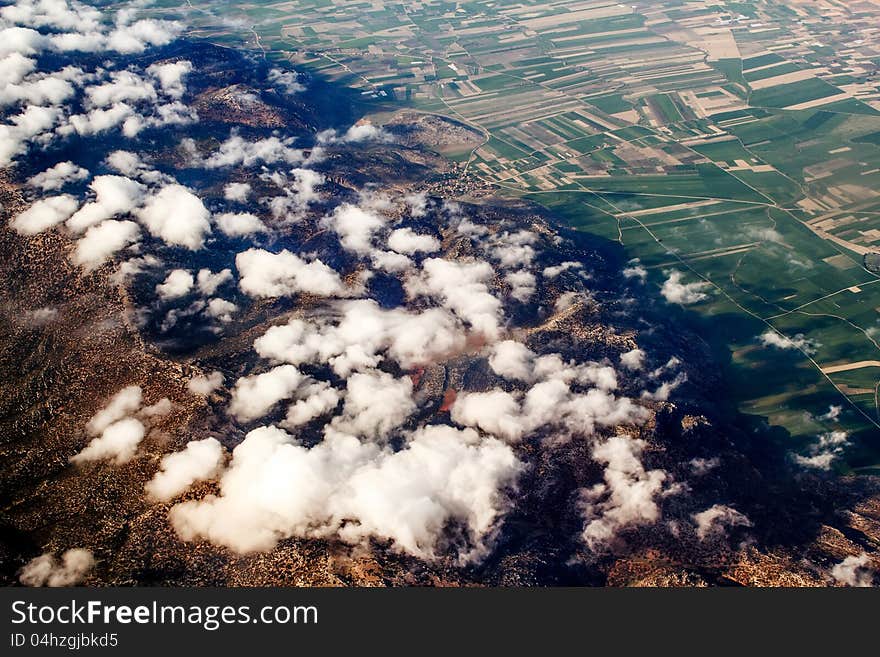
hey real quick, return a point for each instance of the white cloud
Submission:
(635, 270)
(118, 443)
(513, 250)
(406, 240)
(390, 261)
(628, 496)
(24, 127)
(101, 119)
(674, 291)
(124, 86)
(125, 402)
(254, 396)
(827, 449)
(354, 226)
(39, 89)
(177, 216)
(200, 460)
(102, 241)
(553, 272)
(461, 287)
(113, 195)
(221, 309)
(286, 81)
(344, 488)
(771, 338)
(715, 520)
(522, 285)
(356, 134)
(171, 76)
(512, 360)
(239, 224)
(136, 36)
(46, 571)
(44, 214)
(633, 360)
(14, 67)
(205, 385)
(317, 399)
(496, 412)
(237, 191)
(209, 281)
(177, 284)
(375, 404)
(854, 571)
(355, 335)
(56, 177)
(238, 151)
(663, 392)
(265, 274)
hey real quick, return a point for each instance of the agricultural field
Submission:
(735, 143)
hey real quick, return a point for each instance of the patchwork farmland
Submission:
(736, 143)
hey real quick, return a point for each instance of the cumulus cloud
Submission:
(117, 443)
(854, 571)
(407, 241)
(200, 460)
(123, 86)
(549, 403)
(356, 134)
(113, 195)
(171, 76)
(628, 496)
(390, 261)
(354, 226)
(715, 520)
(266, 274)
(44, 570)
(771, 338)
(58, 176)
(356, 335)
(462, 287)
(317, 400)
(135, 36)
(237, 191)
(375, 404)
(254, 396)
(522, 285)
(674, 291)
(177, 284)
(512, 360)
(238, 151)
(177, 216)
(44, 214)
(496, 412)
(275, 488)
(827, 449)
(285, 81)
(221, 309)
(102, 241)
(123, 403)
(209, 281)
(633, 360)
(22, 128)
(240, 224)
(554, 271)
(205, 385)
(635, 270)
(298, 192)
